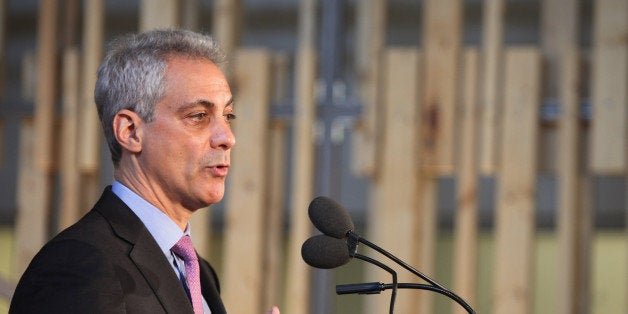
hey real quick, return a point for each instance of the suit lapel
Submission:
(146, 254)
(210, 287)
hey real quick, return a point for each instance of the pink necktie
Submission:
(185, 250)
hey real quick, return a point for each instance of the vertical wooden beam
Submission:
(46, 91)
(89, 125)
(561, 72)
(609, 88)
(492, 43)
(515, 216)
(28, 82)
(158, 14)
(559, 22)
(68, 156)
(274, 224)
(29, 226)
(298, 273)
(442, 31)
(442, 40)
(35, 186)
(190, 14)
(609, 124)
(371, 25)
(244, 231)
(572, 238)
(3, 27)
(466, 219)
(226, 27)
(394, 202)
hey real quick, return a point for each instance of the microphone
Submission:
(322, 251)
(330, 217)
(334, 221)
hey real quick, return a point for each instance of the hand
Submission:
(273, 310)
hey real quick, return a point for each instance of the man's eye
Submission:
(230, 116)
(198, 116)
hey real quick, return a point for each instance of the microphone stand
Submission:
(377, 287)
(434, 286)
(392, 286)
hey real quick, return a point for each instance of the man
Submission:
(165, 108)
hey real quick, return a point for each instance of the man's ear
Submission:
(126, 128)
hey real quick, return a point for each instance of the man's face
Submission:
(186, 147)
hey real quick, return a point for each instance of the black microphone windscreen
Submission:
(325, 252)
(330, 217)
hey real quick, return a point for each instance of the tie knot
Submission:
(185, 249)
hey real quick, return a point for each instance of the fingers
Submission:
(273, 310)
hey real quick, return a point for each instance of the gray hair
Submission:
(131, 75)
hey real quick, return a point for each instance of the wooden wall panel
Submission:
(226, 28)
(491, 80)
(158, 14)
(466, 219)
(68, 155)
(274, 265)
(515, 211)
(35, 184)
(246, 205)
(90, 135)
(371, 22)
(31, 221)
(573, 238)
(298, 273)
(609, 88)
(560, 21)
(395, 203)
(3, 33)
(442, 34)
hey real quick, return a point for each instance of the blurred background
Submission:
(483, 142)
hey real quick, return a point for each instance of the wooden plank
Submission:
(68, 155)
(34, 181)
(559, 29)
(297, 299)
(466, 219)
(559, 24)
(274, 224)
(515, 216)
(45, 93)
(491, 78)
(394, 201)
(561, 81)
(226, 27)
(609, 88)
(427, 234)
(158, 14)
(31, 221)
(3, 26)
(90, 135)
(371, 24)
(571, 236)
(244, 225)
(28, 73)
(442, 39)
(190, 14)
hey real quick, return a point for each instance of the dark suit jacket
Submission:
(107, 262)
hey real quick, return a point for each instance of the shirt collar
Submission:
(165, 231)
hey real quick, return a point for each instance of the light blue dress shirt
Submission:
(165, 231)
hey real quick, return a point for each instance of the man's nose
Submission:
(222, 137)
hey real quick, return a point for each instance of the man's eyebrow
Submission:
(205, 103)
